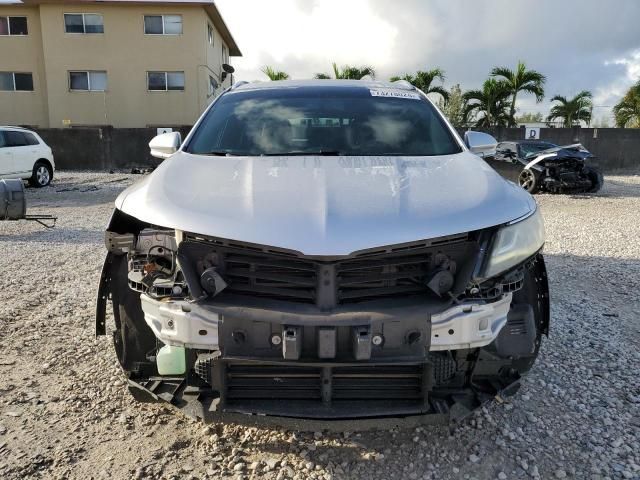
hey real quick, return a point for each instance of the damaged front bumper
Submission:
(253, 353)
(385, 362)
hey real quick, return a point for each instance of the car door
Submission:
(512, 166)
(503, 160)
(7, 166)
(23, 154)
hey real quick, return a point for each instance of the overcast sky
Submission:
(579, 45)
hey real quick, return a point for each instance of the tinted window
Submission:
(15, 139)
(156, 81)
(345, 121)
(23, 81)
(529, 149)
(13, 26)
(6, 81)
(78, 81)
(153, 24)
(2, 141)
(30, 138)
(73, 23)
(18, 25)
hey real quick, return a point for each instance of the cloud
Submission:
(577, 44)
(304, 37)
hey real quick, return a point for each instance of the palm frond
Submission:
(274, 74)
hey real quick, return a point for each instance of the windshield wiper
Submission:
(218, 153)
(328, 153)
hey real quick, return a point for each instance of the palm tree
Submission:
(274, 74)
(423, 81)
(489, 104)
(520, 80)
(348, 72)
(571, 111)
(455, 108)
(627, 110)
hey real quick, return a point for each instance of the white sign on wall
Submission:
(532, 133)
(162, 130)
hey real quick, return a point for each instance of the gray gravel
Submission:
(65, 413)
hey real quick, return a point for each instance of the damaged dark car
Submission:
(324, 250)
(539, 166)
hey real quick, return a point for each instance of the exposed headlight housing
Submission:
(514, 243)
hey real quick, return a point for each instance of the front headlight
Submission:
(515, 243)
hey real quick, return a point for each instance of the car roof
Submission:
(12, 127)
(322, 84)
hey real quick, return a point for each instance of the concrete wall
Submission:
(123, 51)
(102, 148)
(615, 148)
(108, 148)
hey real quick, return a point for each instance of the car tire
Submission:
(528, 180)
(42, 174)
(597, 180)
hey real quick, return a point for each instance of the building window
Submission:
(163, 81)
(210, 35)
(16, 82)
(88, 81)
(225, 58)
(163, 24)
(83, 23)
(13, 26)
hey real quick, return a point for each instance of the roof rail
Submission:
(403, 83)
(14, 126)
(239, 84)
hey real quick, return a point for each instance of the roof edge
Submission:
(212, 9)
(209, 6)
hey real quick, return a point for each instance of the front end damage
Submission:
(565, 170)
(400, 331)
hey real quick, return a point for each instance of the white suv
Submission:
(23, 154)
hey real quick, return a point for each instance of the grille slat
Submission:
(372, 382)
(394, 271)
(302, 280)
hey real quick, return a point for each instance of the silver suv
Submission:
(328, 250)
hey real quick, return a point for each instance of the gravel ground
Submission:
(65, 412)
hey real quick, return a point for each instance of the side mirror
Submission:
(482, 144)
(165, 145)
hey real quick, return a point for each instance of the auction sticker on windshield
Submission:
(394, 93)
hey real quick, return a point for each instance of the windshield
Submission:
(322, 121)
(529, 149)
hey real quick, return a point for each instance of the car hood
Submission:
(325, 205)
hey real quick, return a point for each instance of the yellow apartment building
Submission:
(113, 63)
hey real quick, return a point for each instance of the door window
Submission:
(30, 138)
(2, 141)
(506, 152)
(15, 139)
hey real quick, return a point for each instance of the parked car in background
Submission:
(324, 249)
(542, 166)
(23, 154)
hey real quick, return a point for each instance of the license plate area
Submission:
(354, 339)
